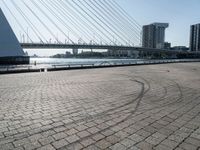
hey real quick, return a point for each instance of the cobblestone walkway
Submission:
(140, 107)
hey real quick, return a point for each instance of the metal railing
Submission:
(96, 64)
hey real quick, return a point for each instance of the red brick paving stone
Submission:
(47, 147)
(103, 144)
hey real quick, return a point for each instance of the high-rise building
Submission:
(195, 37)
(154, 35)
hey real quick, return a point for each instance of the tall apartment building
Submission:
(154, 35)
(195, 37)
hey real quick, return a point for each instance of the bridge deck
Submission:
(86, 46)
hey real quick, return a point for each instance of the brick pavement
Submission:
(140, 107)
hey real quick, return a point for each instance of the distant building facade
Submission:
(195, 37)
(167, 45)
(154, 35)
(75, 51)
(180, 48)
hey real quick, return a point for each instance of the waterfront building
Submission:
(75, 51)
(154, 35)
(167, 45)
(180, 48)
(195, 38)
(123, 53)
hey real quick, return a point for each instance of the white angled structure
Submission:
(11, 51)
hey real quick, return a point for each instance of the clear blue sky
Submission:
(180, 14)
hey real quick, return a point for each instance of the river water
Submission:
(74, 61)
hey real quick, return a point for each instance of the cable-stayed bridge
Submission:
(72, 21)
(74, 24)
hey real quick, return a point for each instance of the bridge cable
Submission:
(130, 18)
(60, 20)
(108, 37)
(35, 30)
(40, 20)
(16, 20)
(113, 14)
(104, 18)
(69, 17)
(112, 17)
(99, 17)
(61, 12)
(86, 22)
(131, 24)
(117, 25)
(78, 24)
(124, 18)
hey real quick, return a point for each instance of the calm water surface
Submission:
(64, 61)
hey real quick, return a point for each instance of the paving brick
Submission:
(193, 141)
(46, 140)
(99, 109)
(47, 147)
(60, 143)
(83, 134)
(118, 146)
(103, 144)
(87, 142)
(59, 136)
(72, 138)
(187, 146)
(32, 145)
